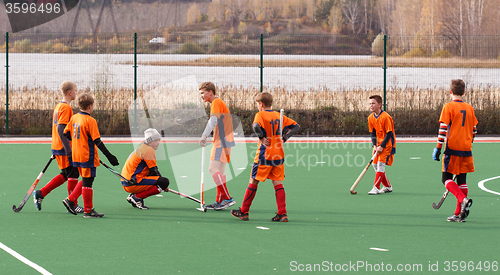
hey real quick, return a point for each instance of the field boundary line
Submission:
(24, 260)
(481, 185)
(299, 139)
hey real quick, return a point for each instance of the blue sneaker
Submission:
(38, 198)
(225, 204)
(212, 206)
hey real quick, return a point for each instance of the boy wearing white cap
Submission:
(141, 169)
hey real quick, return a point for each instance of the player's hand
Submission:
(436, 153)
(380, 149)
(203, 141)
(265, 141)
(133, 181)
(112, 159)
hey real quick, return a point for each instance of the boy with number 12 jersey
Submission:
(269, 158)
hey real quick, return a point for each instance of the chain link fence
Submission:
(322, 81)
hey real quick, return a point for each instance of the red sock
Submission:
(378, 179)
(225, 193)
(88, 204)
(72, 182)
(385, 180)
(455, 190)
(75, 194)
(249, 195)
(153, 190)
(280, 199)
(218, 182)
(465, 190)
(53, 184)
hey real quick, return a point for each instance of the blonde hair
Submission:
(85, 100)
(207, 86)
(266, 98)
(67, 86)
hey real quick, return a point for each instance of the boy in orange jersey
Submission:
(141, 170)
(381, 127)
(61, 147)
(269, 159)
(82, 130)
(221, 123)
(458, 127)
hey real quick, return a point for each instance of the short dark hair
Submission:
(85, 100)
(457, 86)
(266, 98)
(207, 86)
(377, 98)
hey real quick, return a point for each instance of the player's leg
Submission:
(39, 195)
(242, 212)
(378, 166)
(450, 168)
(277, 175)
(226, 199)
(150, 186)
(461, 182)
(385, 181)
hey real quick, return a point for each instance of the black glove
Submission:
(112, 159)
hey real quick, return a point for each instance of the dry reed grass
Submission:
(176, 97)
(234, 61)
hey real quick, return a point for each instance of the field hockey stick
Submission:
(202, 202)
(437, 206)
(33, 186)
(188, 197)
(362, 174)
(282, 112)
(116, 173)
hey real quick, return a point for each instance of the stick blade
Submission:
(16, 209)
(435, 206)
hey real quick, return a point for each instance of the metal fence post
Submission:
(385, 72)
(261, 62)
(7, 83)
(135, 84)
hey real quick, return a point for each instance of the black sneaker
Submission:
(136, 202)
(92, 214)
(280, 218)
(70, 206)
(38, 198)
(238, 214)
(79, 209)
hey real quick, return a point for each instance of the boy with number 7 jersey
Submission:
(269, 159)
(83, 132)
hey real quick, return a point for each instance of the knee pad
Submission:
(163, 183)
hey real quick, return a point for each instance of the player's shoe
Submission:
(212, 206)
(464, 208)
(93, 214)
(225, 204)
(454, 218)
(78, 209)
(70, 206)
(38, 198)
(136, 202)
(238, 214)
(386, 189)
(280, 218)
(374, 191)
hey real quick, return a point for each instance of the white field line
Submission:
(481, 185)
(24, 260)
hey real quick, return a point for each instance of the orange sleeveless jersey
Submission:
(84, 131)
(223, 131)
(383, 124)
(139, 162)
(269, 121)
(62, 114)
(461, 119)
